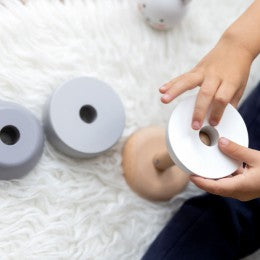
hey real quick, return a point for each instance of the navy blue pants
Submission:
(212, 227)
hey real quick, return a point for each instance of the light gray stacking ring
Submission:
(21, 141)
(84, 118)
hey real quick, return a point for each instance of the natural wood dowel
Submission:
(162, 161)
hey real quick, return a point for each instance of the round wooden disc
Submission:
(140, 172)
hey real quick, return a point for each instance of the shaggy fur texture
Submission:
(83, 209)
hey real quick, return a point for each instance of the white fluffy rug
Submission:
(83, 209)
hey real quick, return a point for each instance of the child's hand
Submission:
(222, 76)
(245, 183)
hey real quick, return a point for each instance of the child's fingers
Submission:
(167, 85)
(228, 187)
(239, 152)
(204, 99)
(217, 187)
(224, 95)
(234, 102)
(239, 171)
(190, 81)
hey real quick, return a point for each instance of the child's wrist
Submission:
(234, 39)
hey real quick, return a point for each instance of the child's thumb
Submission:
(237, 152)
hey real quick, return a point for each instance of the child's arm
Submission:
(223, 73)
(222, 76)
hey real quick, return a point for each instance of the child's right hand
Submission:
(222, 75)
(244, 184)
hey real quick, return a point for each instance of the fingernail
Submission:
(196, 125)
(213, 122)
(223, 141)
(163, 88)
(166, 97)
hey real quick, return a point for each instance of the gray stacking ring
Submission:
(21, 141)
(84, 118)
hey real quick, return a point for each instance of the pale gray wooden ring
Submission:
(84, 118)
(21, 141)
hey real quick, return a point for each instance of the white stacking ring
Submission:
(21, 141)
(84, 118)
(190, 154)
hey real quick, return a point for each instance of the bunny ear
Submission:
(186, 1)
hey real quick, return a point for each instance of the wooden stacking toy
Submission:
(157, 163)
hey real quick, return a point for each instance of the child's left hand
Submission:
(244, 184)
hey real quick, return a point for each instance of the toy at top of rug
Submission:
(84, 118)
(21, 141)
(162, 14)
